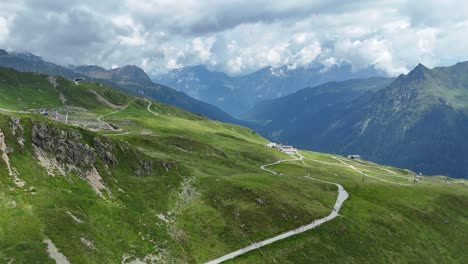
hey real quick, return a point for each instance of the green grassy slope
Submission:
(205, 195)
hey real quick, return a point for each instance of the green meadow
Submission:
(205, 194)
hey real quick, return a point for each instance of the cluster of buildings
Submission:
(51, 113)
(290, 150)
(283, 148)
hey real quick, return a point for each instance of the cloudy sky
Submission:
(238, 36)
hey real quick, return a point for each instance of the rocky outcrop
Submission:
(104, 150)
(144, 167)
(17, 130)
(11, 170)
(63, 145)
(60, 151)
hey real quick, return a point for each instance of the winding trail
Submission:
(121, 109)
(14, 111)
(342, 196)
(384, 169)
(275, 163)
(344, 164)
(103, 100)
(112, 113)
(149, 107)
(367, 175)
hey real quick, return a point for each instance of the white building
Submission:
(354, 157)
(286, 149)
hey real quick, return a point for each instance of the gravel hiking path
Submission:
(342, 196)
(149, 107)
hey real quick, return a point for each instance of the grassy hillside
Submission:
(129, 79)
(120, 183)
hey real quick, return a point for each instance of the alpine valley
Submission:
(417, 121)
(244, 132)
(92, 175)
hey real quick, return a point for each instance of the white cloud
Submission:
(239, 36)
(3, 29)
(172, 64)
(307, 54)
(202, 48)
(235, 65)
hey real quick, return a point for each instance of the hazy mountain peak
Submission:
(420, 65)
(196, 67)
(27, 55)
(130, 68)
(3, 52)
(86, 68)
(418, 73)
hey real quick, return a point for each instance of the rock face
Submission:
(67, 148)
(104, 151)
(60, 151)
(4, 150)
(63, 145)
(17, 130)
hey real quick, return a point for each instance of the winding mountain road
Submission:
(367, 175)
(275, 163)
(149, 107)
(112, 113)
(342, 196)
(344, 164)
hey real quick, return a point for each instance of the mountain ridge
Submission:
(237, 94)
(130, 79)
(396, 125)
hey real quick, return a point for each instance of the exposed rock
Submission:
(54, 253)
(60, 144)
(103, 100)
(17, 130)
(57, 152)
(53, 81)
(76, 219)
(150, 258)
(168, 164)
(162, 217)
(11, 170)
(144, 167)
(50, 164)
(187, 194)
(60, 151)
(105, 151)
(95, 180)
(87, 243)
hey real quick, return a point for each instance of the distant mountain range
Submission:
(129, 79)
(286, 110)
(236, 95)
(28, 62)
(133, 80)
(418, 121)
